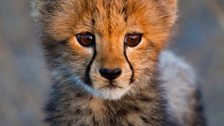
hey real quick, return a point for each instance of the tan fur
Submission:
(80, 95)
(109, 20)
(96, 105)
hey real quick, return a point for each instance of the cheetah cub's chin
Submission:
(111, 90)
(112, 93)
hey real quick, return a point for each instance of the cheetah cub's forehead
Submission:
(61, 18)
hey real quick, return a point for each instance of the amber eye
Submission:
(86, 39)
(133, 39)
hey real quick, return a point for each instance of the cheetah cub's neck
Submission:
(72, 106)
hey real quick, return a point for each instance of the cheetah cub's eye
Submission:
(86, 39)
(133, 39)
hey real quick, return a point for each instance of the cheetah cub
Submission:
(108, 65)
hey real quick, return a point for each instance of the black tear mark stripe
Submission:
(87, 73)
(131, 67)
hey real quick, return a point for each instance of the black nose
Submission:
(110, 74)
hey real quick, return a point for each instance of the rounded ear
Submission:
(171, 7)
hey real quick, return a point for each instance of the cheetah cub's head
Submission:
(106, 47)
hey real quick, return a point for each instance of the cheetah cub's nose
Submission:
(110, 74)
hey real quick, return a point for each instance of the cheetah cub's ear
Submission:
(171, 8)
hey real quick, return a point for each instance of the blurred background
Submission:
(24, 80)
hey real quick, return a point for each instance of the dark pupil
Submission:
(133, 39)
(86, 39)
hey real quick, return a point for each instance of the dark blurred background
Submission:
(24, 80)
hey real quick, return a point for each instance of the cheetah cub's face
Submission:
(108, 47)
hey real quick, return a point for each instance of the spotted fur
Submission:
(142, 94)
